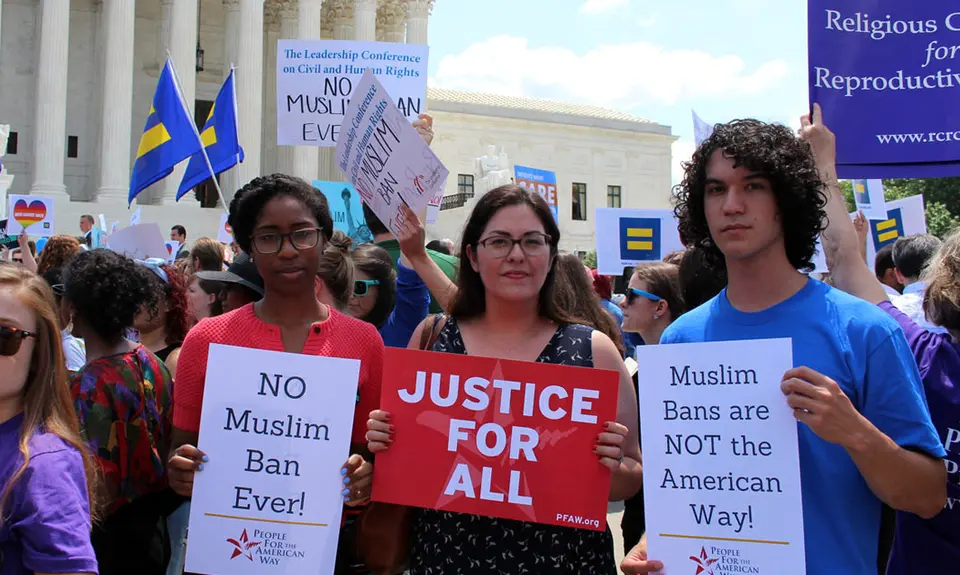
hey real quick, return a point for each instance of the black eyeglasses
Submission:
(11, 338)
(272, 242)
(533, 245)
(362, 287)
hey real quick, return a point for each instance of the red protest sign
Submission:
(492, 437)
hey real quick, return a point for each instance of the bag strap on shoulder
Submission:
(431, 331)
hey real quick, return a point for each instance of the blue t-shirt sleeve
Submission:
(894, 400)
(51, 514)
(412, 305)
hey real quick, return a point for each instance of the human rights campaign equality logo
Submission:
(887, 231)
(640, 239)
(860, 191)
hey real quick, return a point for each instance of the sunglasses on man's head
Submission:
(362, 287)
(11, 338)
(634, 293)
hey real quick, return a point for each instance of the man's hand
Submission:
(819, 402)
(822, 141)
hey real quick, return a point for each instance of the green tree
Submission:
(941, 198)
(589, 259)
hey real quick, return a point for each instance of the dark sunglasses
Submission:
(362, 287)
(11, 338)
(634, 293)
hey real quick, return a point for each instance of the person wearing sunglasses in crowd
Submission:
(394, 301)
(240, 285)
(285, 225)
(504, 308)
(163, 328)
(47, 477)
(123, 398)
(74, 349)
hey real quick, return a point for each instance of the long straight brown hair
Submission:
(471, 301)
(47, 402)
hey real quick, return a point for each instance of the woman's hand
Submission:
(182, 466)
(636, 561)
(424, 126)
(358, 479)
(379, 431)
(609, 444)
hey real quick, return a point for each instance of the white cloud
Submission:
(602, 6)
(619, 75)
(647, 22)
(682, 151)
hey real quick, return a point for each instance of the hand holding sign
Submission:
(819, 402)
(424, 126)
(822, 141)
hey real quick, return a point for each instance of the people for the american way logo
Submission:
(244, 546)
(704, 562)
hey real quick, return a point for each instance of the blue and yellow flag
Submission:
(220, 137)
(169, 137)
(887, 231)
(640, 239)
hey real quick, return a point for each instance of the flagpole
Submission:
(203, 150)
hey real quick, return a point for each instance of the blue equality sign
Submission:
(887, 74)
(640, 239)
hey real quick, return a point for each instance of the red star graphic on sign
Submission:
(244, 545)
(704, 565)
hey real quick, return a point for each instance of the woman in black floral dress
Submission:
(504, 309)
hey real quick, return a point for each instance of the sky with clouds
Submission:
(657, 59)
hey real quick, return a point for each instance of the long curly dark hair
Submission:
(775, 152)
(107, 290)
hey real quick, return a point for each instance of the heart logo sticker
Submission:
(227, 227)
(169, 249)
(27, 215)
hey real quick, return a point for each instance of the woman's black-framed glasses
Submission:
(362, 287)
(634, 293)
(532, 244)
(272, 242)
(11, 339)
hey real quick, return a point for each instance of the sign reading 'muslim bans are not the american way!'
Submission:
(887, 74)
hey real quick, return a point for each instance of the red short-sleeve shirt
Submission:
(338, 336)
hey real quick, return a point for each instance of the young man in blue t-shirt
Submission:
(752, 197)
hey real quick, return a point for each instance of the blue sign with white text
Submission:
(346, 210)
(543, 182)
(887, 75)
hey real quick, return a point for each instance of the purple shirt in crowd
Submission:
(46, 521)
(933, 545)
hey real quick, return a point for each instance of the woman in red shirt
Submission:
(284, 224)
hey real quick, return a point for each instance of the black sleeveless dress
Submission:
(447, 543)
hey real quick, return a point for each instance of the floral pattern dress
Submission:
(446, 543)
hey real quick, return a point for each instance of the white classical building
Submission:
(77, 77)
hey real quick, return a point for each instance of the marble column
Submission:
(249, 89)
(230, 179)
(418, 18)
(182, 44)
(365, 20)
(268, 135)
(391, 22)
(306, 159)
(119, 18)
(343, 15)
(50, 105)
(163, 38)
(289, 30)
